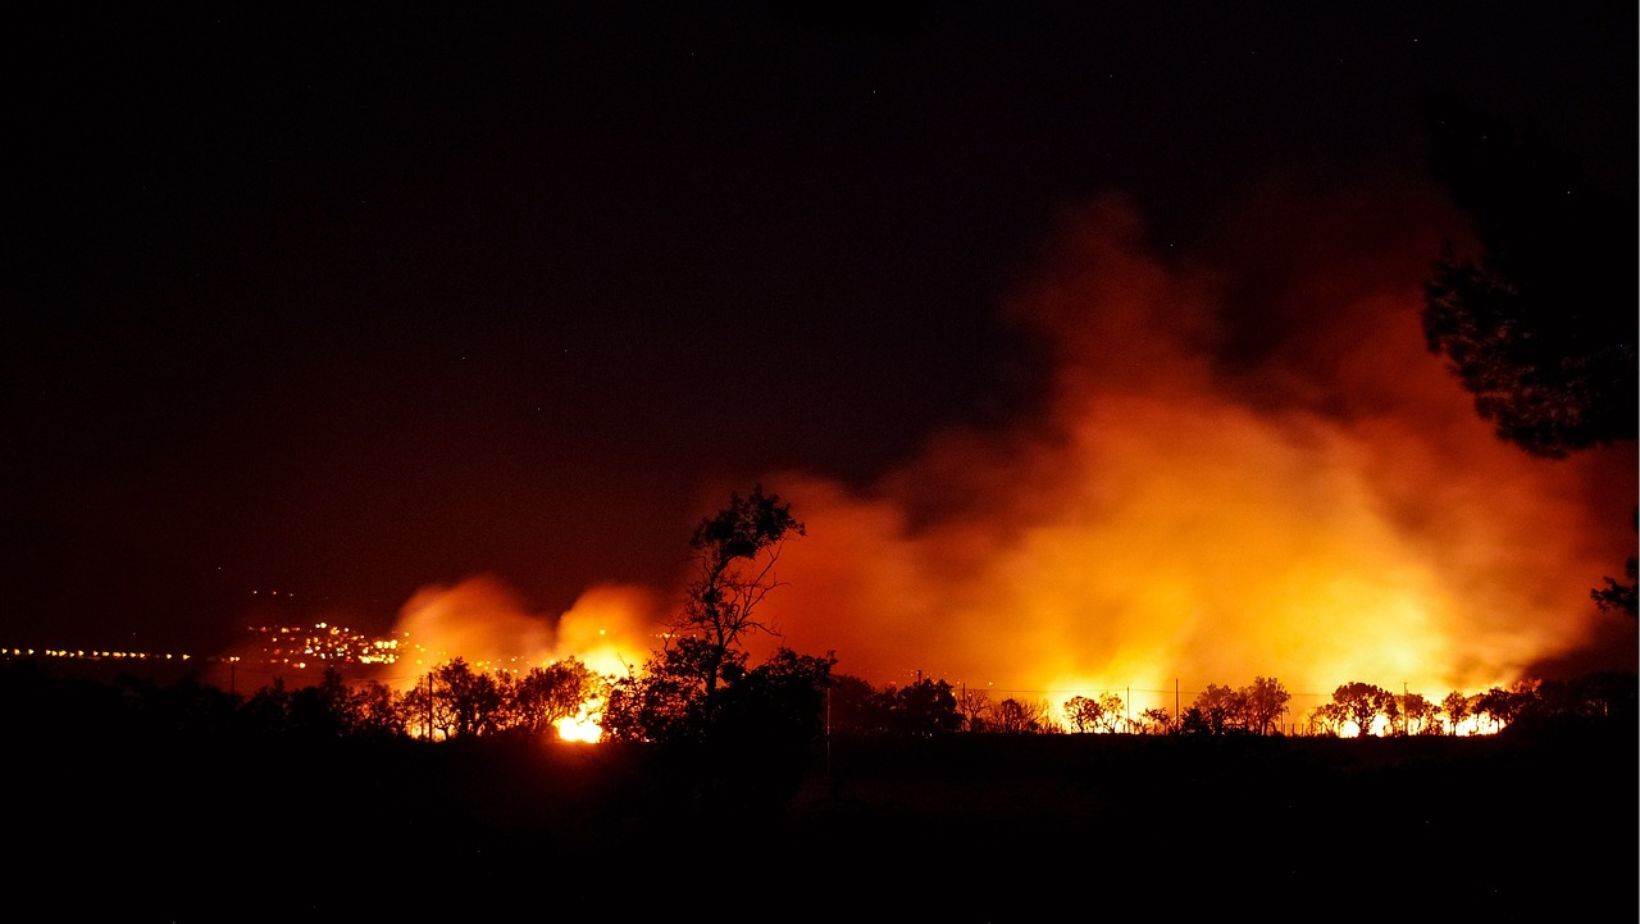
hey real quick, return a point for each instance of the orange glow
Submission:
(1332, 513)
(1322, 508)
(608, 629)
(482, 620)
(582, 729)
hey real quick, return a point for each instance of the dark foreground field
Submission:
(965, 828)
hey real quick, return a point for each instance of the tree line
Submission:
(451, 701)
(933, 707)
(793, 700)
(700, 687)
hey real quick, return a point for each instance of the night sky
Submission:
(342, 303)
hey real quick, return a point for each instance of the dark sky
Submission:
(346, 302)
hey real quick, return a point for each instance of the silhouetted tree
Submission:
(778, 705)
(1084, 714)
(1329, 718)
(1112, 712)
(324, 710)
(855, 707)
(1195, 723)
(1159, 719)
(735, 552)
(1501, 706)
(666, 700)
(1490, 705)
(429, 710)
(1263, 703)
(377, 713)
(1012, 717)
(1455, 706)
(1219, 709)
(922, 709)
(1618, 596)
(1540, 326)
(478, 699)
(1418, 716)
(1363, 703)
(547, 694)
(974, 705)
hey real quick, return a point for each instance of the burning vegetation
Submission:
(1190, 503)
(699, 685)
(1303, 493)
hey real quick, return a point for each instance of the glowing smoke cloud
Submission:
(1327, 510)
(1323, 506)
(484, 621)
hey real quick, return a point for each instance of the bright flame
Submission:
(1323, 508)
(485, 622)
(609, 628)
(1309, 496)
(583, 728)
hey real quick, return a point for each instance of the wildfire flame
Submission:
(608, 628)
(1323, 508)
(1193, 500)
(583, 728)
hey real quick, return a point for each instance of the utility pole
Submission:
(828, 733)
(233, 680)
(1129, 703)
(1175, 702)
(429, 705)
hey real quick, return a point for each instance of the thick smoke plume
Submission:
(1250, 469)
(609, 627)
(1244, 466)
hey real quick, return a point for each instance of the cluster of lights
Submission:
(297, 646)
(102, 654)
(423, 656)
